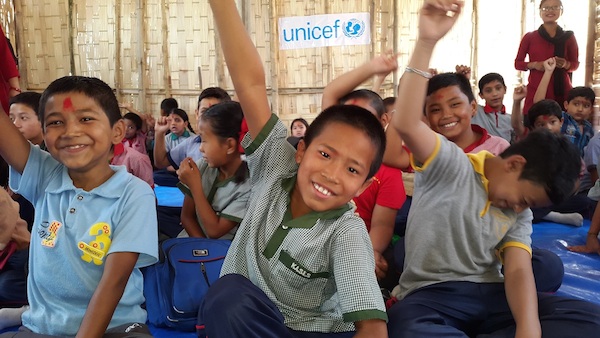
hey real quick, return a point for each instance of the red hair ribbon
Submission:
(243, 131)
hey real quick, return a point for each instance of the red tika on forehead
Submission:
(545, 117)
(68, 104)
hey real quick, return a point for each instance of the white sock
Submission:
(572, 218)
(11, 316)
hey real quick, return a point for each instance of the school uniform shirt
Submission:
(190, 147)
(497, 123)
(386, 190)
(319, 268)
(171, 139)
(227, 198)
(137, 164)
(73, 233)
(138, 142)
(570, 129)
(463, 236)
(494, 144)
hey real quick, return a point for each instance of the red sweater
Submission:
(8, 70)
(541, 50)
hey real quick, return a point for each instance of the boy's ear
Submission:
(364, 187)
(481, 95)
(385, 119)
(566, 104)
(473, 108)
(514, 163)
(118, 132)
(300, 151)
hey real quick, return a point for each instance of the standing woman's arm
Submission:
(572, 54)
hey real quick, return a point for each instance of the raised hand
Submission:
(162, 125)
(437, 18)
(550, 64)
(385, 64)
(188, 173)
(519, 93)
(464, 70)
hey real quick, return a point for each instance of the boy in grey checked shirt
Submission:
(301, 264)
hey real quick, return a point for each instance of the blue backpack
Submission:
(175, 287)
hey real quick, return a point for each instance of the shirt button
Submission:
(284, 227)
(72, 210)
(80, 197)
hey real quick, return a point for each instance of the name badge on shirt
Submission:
(96, 250)
(50, 234)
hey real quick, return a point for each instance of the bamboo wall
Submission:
(151, 49)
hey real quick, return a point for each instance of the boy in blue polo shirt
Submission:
(95, 225)
(301, 263)
(467, 270)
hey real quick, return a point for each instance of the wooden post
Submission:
(165, 48)
(118, 46)
(141, 15)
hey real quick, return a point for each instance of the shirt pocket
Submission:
(299, 275)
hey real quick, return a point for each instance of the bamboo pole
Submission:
(20, 47)
(118, 46)
(141, 47)
(165, 48)
(71, 26)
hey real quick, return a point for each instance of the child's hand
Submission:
(562, 62)
(519, 93)
(592, 245)
(437, 17)
(433, 71)
(550, 64)
(464, 70)
(188, 172)
(162, 125)
(150, 121)
(385, 64)
(381, 265)
(9, 214)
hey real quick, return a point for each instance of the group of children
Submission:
(302, 263)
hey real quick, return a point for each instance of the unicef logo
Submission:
(354, 28)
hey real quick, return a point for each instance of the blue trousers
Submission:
(548, 268)
(465, 309)
(234, 307)
(13, 280)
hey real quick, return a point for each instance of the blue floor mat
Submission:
(168, 196)
(582, 271)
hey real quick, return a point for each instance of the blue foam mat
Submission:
(582, 271)
(168, 196)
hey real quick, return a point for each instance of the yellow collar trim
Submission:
(478, 163)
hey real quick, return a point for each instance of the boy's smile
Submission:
(78, 135)
(333, 169)
(449, 113)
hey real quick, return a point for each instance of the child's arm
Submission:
(117, 269)
(540, 93)
(382, 230)
(434, 23)
(8, 218)
(160, 148)
(516, 117)
(592, 244)
(521, 294)
(129, 108)
(215, 226)
(244, 64)
(14, 148)
(370, 329)
(188, 218)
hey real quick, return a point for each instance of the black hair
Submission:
(543, 108)
(30, 99)
(168, 104)
(91, 87)
(444, 80)
(375, 100)
(181, 113)
(3, 173)
(214, 92)
(553, 162)
(490, 77)
(225, 121)
(585, 92)
(135, 118)
(355, 117)
(301, 120)
(389, 101)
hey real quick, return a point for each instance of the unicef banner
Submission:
(324, 30)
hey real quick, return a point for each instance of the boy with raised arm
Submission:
(301, 264)
(452, 284)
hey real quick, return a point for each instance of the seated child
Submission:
(137, 164)
(492, 117)
(135, 132)
(298, 127)
(470, 215)
(216, 186)
(190, 147)
(95, 225)
(23, 113)
(167, 105)
(578, 108)
(301, 263)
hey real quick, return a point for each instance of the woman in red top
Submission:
(548, 41)
(9, 75)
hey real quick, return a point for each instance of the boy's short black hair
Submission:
(214, 92)
(444, 80)
(91, 87)
(585, 92)
(389, 101)
(374, 99)
(543, 108)
(490, 77)
(30, 99)
(356, 117)
(553, 162)
(135, 118)
(168, 104)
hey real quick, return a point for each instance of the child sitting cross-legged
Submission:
(470, 218)
(95, 225)
(301, 263)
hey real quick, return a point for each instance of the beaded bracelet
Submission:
(424, 74)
